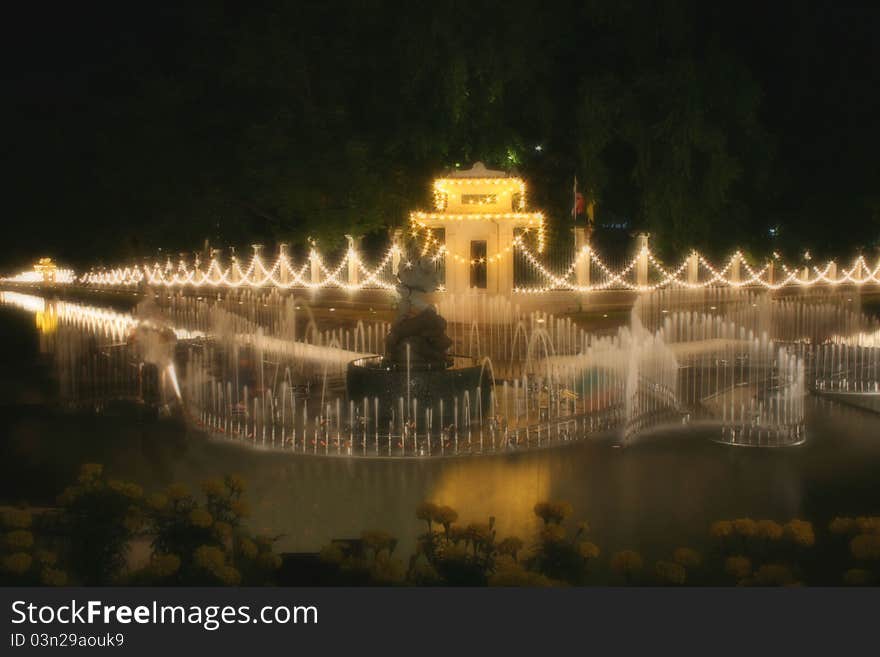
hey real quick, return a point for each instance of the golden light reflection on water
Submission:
(506, 488)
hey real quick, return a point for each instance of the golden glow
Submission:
(501, 187)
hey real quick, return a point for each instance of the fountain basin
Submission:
(372, 378)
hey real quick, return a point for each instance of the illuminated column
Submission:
(642, 262)
(693, 268)
(582, 252)
(832, 271)
(283, 268)
(256, 273)
(315, 262)
(354, 249)
(215, 255)
(147, 270)
(771, 272)
(735, 266)
(395, 255)
(234, 269)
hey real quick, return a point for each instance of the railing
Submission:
(586, 272)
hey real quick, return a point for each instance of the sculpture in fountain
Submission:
(418, 329)
(417, 371)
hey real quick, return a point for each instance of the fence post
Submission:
(642, 262)
(735, 267)
(283, 268)
(315, 262)
(582, 253)
(234, 269)
(395, 255)
(353, 259)
(693, 268)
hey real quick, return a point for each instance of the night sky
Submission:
(131, 127)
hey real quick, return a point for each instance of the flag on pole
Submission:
(578, 206)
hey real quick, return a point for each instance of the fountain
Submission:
(476, 375)
(417, 367)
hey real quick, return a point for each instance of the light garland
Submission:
(507, 186)
(283, 274)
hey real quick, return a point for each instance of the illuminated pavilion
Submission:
(477, 214)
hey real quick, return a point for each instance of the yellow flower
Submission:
(671, 573)
(865, 546)
(774, 575)
(377, 540)
(90, 472)
(738, 567)
(842, 525)
(555, 511)
(19, 539)
(510, 546)
(801, 532)
(176, 492)
(479, 532)
(17, 518)
(331, 554)
(553, 533)
(69, 495)
(426, 511)
(445, 515)
(164, 565)
(157, 501)
(588, 550)
(510, 573)
(223, 530)
(769, 530)
(858, 577)
(134, 519)
(271, 561)
(229, 576)
(687, 557)
(721, 529)
(263, 541)
(210, 558)
(868, 524)
(626, 562)
(247, 548)
(45, 557)
(745, 527)
(200, 518)
(53, 577)
(18, 562)
(213, 488)
(235, 483)
(125, 488)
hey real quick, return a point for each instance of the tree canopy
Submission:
(153, 126)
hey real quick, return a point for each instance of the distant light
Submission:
(333, 310)
(540, 320)
(711, 307)
(774, 231)
(539, 148)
